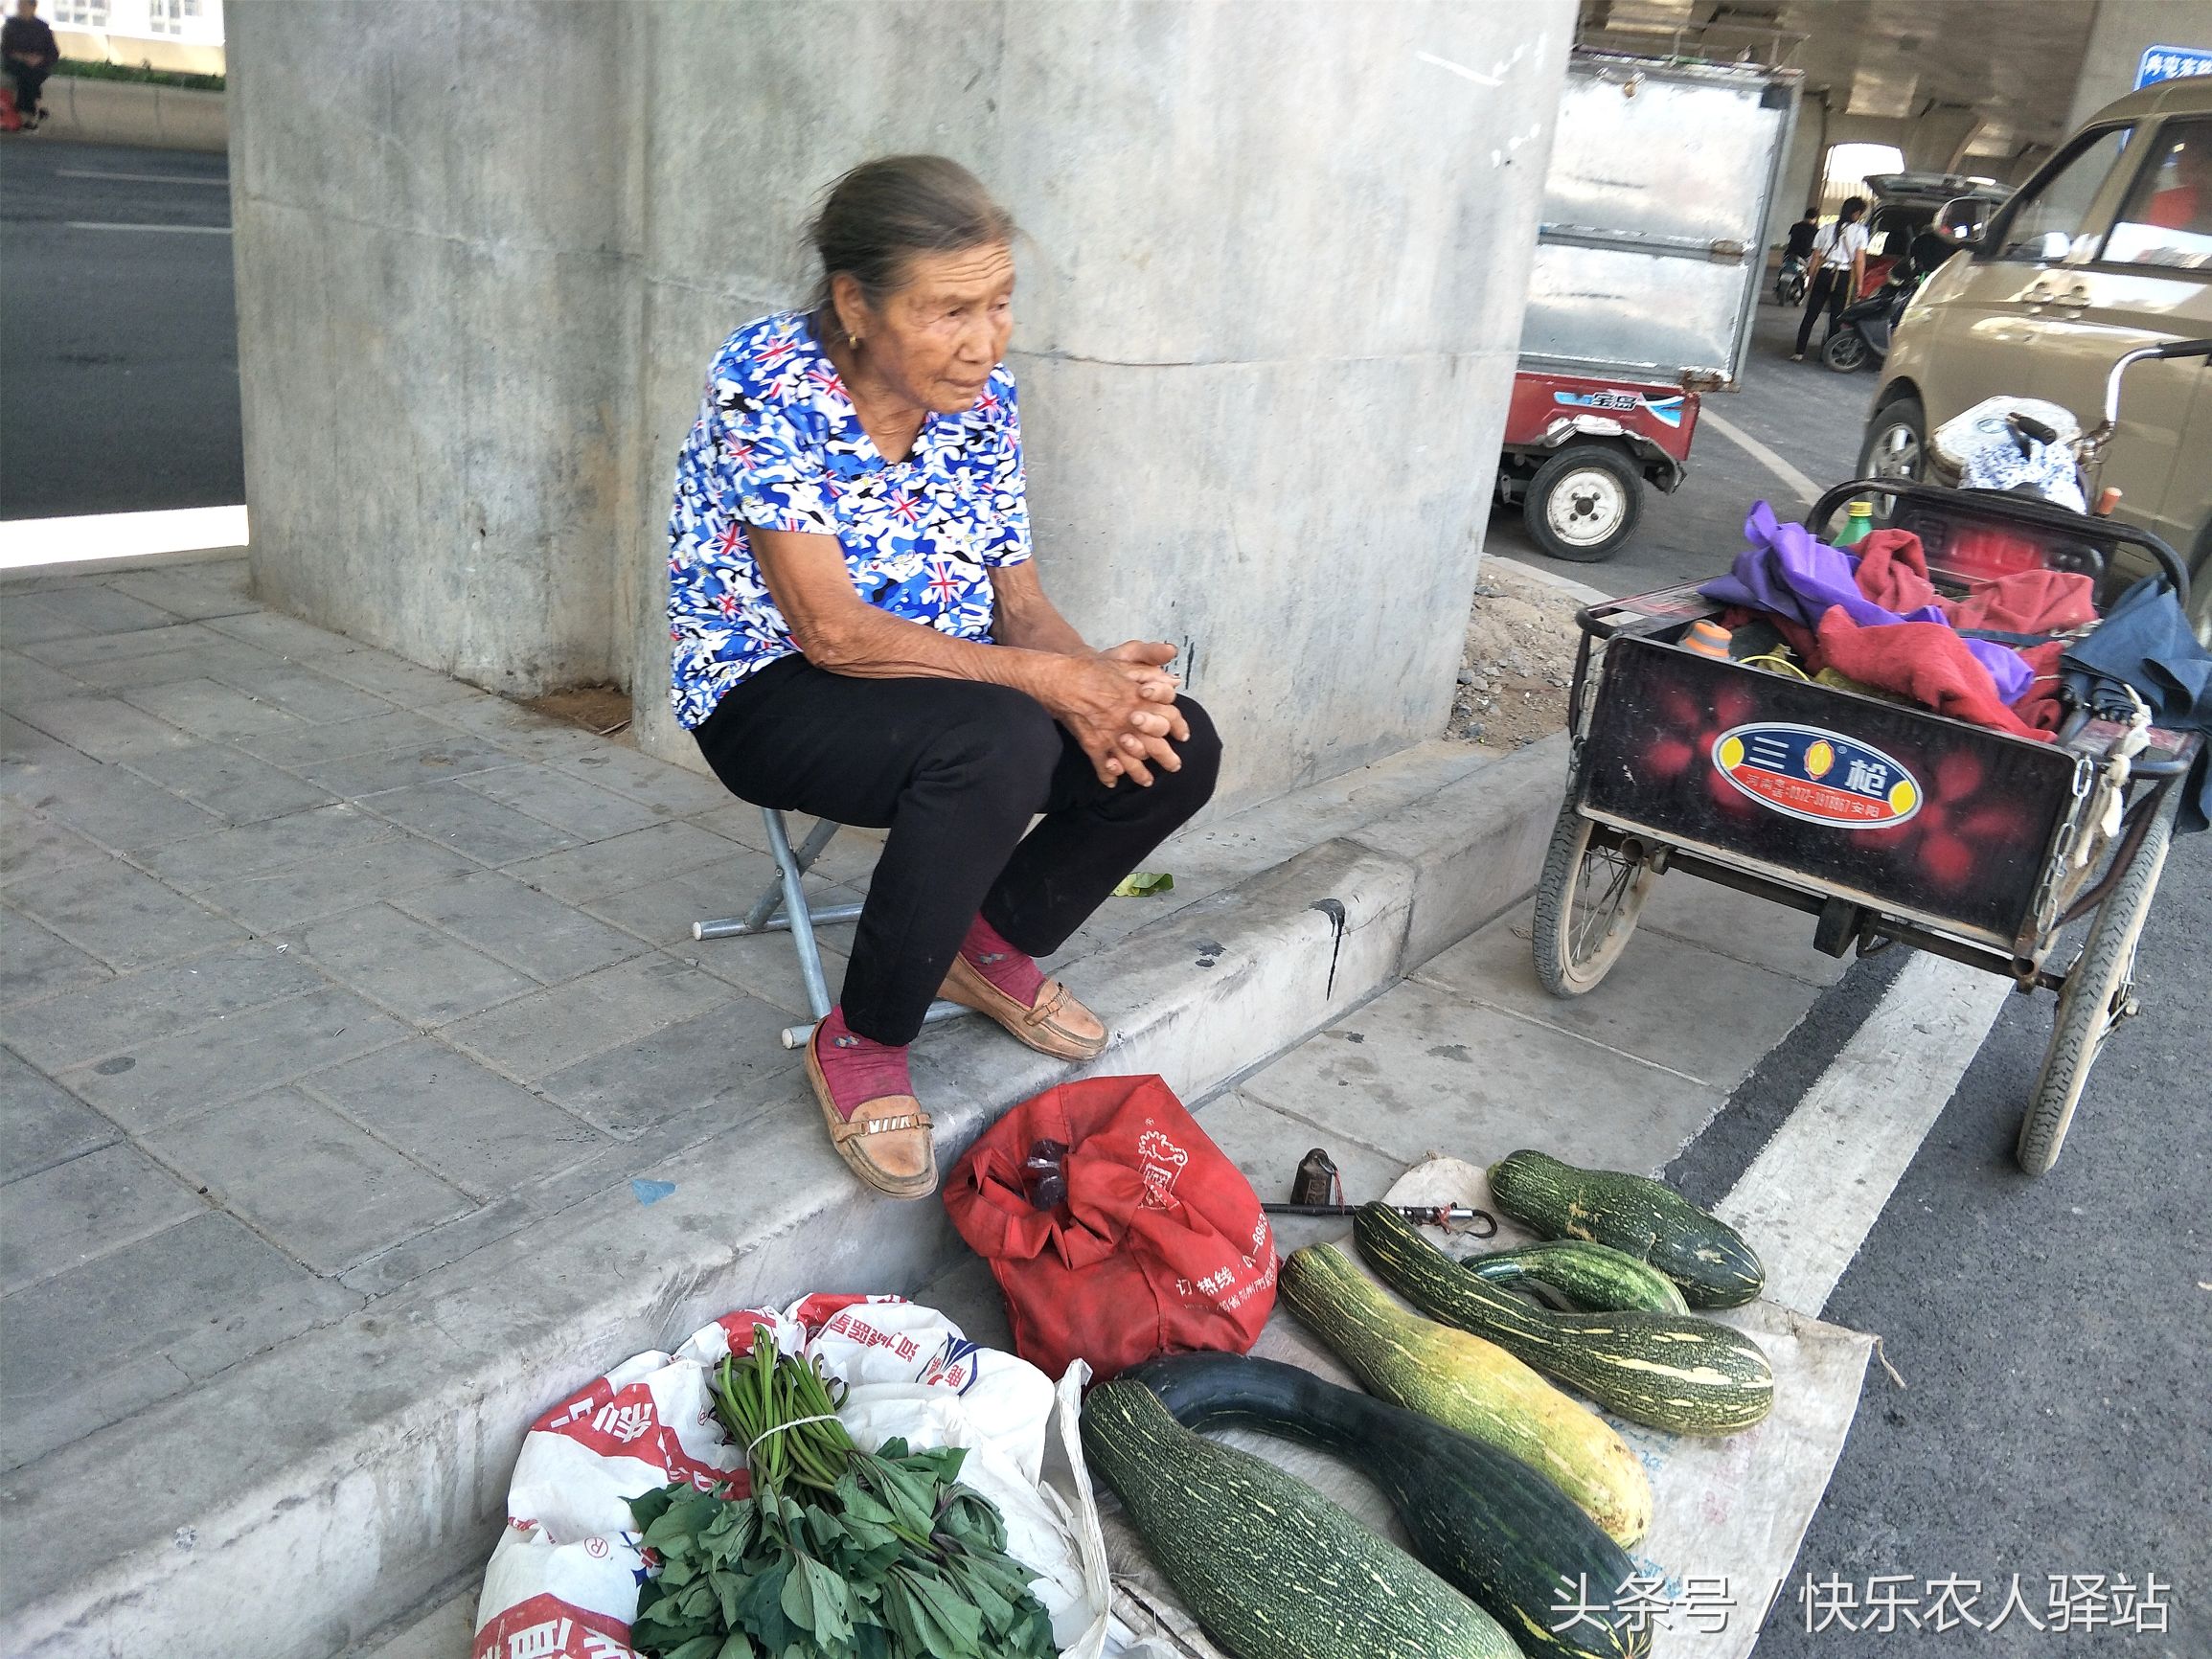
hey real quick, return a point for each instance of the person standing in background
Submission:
(27, 47)
(1839, 255)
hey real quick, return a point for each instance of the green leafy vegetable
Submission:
(1143, 884)
(839, 1553)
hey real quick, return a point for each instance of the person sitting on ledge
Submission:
(859, 633)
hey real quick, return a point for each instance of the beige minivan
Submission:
(2108, 247)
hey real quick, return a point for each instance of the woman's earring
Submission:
(852, 341)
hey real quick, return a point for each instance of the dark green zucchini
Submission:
(1673, 1370)
(1577, 1276)
(1636, 1214)
(1483, 1520)
(1271, 1568)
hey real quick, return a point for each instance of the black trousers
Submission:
(1832, 291)
(28, 78)
(954, 770)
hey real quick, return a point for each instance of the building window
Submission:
(81, 13)
(167, 17)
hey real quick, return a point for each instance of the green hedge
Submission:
(92, 68)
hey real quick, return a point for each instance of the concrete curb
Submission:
(333, 1484)
(135, 112)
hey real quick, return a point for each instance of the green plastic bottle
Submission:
(1858, 523)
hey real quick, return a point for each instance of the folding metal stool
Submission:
(799, 919)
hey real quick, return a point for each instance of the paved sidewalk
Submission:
(321, 970)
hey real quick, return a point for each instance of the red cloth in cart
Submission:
(1893, 573)
(1160, 1246)
(1928, 662)
(2041, 708)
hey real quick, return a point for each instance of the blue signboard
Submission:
(2173, 63)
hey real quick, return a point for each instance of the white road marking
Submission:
(187, 230)
(1759, 452)
(1815, 1192)
(1460, 70)
(138, 177)
(27, 542)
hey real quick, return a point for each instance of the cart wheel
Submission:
(2099, 992)
(1845, 352)
(1586, 905)
(1583, 502)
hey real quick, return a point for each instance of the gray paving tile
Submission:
(568, 802)
(1678, 1005)
(603, 867)
(469, 824)
(519, 730)
(115, 1016)
(88, 608)
(32, 846)
(468, 1124)
(194, 592)
(1739, 925)
(145, 1321)
(1418, 1070)
(83, 1209)
(663, 911)
(449, 755)
(379, 869)
(284, 636)
(301, 747)
(408, 965)
(440, 1246)
(209, 708)
(104, 728)
(123, 918)
(209, 1066)
(739, 821)
(35, 963)
(675, 789)
(728, 1054)
(106, 646)
(313, 836)
(117, 808)
(27, 680)
(325, 1191)
(41, 1122)
(307, 695)
(521, 927)
(20, 743)
(231, 784)
(540, 1034)
(26, 620)
(202, 656)
(396, 679)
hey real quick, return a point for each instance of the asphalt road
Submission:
(2053, 1335)
(119, 385)
(1810, 416)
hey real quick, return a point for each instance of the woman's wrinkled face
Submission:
(936, 339)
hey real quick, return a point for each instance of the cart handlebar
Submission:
(2023, 510)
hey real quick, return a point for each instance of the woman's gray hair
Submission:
(884, 212)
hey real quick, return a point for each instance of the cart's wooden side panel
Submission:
(1931, 816)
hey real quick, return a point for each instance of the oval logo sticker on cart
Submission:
(1820, 777)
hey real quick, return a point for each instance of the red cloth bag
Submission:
(1160, 1246)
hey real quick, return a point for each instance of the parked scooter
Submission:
(1790, 281)
(1863, 332)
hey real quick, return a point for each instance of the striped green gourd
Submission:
(1580, 1277)
(1271, 1568)
(1671, 1371)
(1468, 1384)
(1636, 1214)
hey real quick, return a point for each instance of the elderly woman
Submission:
(860, 634)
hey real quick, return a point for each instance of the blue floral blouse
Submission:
(778, 446)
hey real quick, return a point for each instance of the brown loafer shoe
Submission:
(1056, 1024)
(886, 1142)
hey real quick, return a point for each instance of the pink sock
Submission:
(1006, 968)
(856, 1069)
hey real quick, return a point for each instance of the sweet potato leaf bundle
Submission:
(838, 1554)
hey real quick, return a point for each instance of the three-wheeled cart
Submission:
(1887, 822)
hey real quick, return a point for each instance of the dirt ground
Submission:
(1517, 662)
(600, 708)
